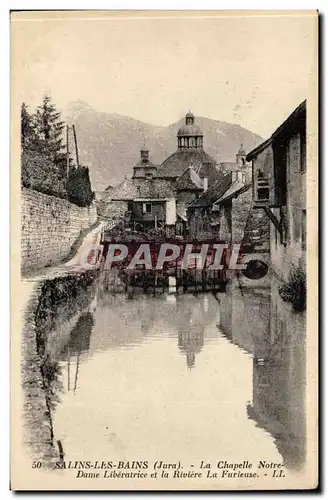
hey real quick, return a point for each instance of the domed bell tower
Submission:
(190, 135)
(241, 156)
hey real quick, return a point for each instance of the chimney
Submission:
(205, 184)
(144, 155)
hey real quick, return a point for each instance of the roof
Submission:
(144, 164)
(234, 190)
(299, 114)
(189, 180)
(189, 130)
(176, 164)
(289, 125)
(155, 189)
(214, 192)
(241, 150)
(227, 165)
(131, 189)
(256, 151)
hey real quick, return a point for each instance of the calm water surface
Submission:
(197, 377)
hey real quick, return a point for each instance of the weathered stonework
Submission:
(49, 228)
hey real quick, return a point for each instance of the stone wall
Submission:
(293, 252)
(49, 228)
(250, 226)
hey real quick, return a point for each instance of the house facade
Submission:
(279, 190)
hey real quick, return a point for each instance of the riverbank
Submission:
(53, 309)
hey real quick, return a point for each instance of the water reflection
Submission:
(208, 365)
(261, 324)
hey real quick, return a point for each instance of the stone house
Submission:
(140, 204)
(279, 190)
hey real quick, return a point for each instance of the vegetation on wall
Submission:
(43, 156)
(79, 187)
(294, 289)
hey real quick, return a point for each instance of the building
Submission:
(140, 204)
(190, 152)
(279, 190)
(190, 193)
(144, 168)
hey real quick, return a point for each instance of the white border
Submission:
(7, 5)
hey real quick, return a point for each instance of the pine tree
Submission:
(27, 128)
(49, 128)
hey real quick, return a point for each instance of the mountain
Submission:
(110, 143)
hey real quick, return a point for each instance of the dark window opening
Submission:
(147, 208)
(280, 179)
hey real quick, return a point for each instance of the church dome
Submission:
(190, 135)
(176, 164)
(190, 130)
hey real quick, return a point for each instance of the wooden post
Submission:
(76, 150)
(77, 370)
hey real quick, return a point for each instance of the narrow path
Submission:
(73, 265)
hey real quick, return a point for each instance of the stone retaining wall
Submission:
(49, 228)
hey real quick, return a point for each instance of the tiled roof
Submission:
(234, 190)
(189, 180)
(176, 164)
(155, 189)
(131, 189)
(215, 191)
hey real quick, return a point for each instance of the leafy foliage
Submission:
(79, 187)
(44, 161)
(294, 289)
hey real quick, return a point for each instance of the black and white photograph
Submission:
(164, 196)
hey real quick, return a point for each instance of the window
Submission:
(130, 206)
(147, 208)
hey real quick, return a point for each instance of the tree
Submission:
(79, 186)
(49, 128)
(44, 160)
(27, 128)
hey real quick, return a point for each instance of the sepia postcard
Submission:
(164, 244)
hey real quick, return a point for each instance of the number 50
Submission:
(36, 465)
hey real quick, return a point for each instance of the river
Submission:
(135, 376)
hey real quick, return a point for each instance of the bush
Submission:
(294, 289)
(79, 187)
(40, 173)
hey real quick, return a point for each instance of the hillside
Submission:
(109, 143)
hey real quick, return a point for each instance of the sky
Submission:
(252, 70)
